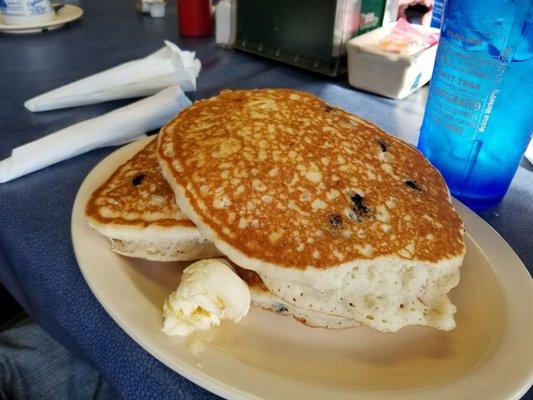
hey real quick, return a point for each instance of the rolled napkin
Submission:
(529, 152)
(116, 127)
(143, 77)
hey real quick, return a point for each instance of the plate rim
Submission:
(57, 21)
(216, 386)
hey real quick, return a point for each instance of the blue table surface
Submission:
(37, 263)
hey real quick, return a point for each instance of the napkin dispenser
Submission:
(306, 33)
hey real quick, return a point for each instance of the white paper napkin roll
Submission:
(139, 78)
(116, 127)
(529, 152)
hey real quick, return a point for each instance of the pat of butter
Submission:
(209, 292)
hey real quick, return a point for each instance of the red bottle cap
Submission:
(194, 18)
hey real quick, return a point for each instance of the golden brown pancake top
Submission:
(283, 177)
(137, 194)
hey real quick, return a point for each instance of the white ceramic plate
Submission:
(268, 356)
(67, 14)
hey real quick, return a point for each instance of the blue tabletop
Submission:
(37, 263)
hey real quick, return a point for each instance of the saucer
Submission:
(67, 14)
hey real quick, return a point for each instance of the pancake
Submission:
(334, 214)
(261, 297)
(135, 209)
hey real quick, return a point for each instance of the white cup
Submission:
(23, 12)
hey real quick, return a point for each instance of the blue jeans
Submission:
(34, 366)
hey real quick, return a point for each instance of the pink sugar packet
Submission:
(406, 40)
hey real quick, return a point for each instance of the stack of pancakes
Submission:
(329, 218)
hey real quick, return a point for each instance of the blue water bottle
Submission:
(436, 15)
(479, 113)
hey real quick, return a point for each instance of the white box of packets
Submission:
(388, 73)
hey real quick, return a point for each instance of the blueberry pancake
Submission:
(135, 209)
(335, 215)
(265, 299)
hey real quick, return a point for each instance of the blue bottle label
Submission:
(464, 86)
(436, 16)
